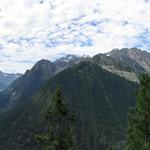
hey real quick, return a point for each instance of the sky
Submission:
(31, 30)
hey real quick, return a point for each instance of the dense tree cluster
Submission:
(139, 118)
(60, 132)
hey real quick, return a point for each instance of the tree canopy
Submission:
(139, 118)
(60, 132)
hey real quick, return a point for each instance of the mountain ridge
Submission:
(43, 70)
(27, 84)
(87, 88)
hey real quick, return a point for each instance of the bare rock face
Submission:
(129, 56)
(68, 61)
(141, 57)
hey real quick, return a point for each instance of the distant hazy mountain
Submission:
(6, 79)
(68, 61)
(98, 98)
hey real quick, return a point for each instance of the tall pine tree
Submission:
(138, 137)
(60, 132)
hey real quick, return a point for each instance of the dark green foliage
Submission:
(98, 98)
(139, 118)
(60, 132)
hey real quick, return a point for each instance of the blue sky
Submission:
(34, 29)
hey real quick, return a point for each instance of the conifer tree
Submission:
(60, 132)
(138, 137)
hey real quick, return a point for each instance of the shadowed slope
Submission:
(99, 99)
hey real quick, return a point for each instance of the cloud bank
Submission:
(34, 29)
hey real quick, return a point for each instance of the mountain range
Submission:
(99, 90)
(6, 79)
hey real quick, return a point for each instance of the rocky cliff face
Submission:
(68, 61)
(136, 58)
(141, 57)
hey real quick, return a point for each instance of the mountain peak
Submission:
(67, 58)
(43, 64)
(43, 61)
(127, 50)
(134, 57)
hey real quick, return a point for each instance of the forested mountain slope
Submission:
(98, 98)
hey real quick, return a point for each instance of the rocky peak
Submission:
(133, 56)
(44, 66)
(67, 58)
(66, 61)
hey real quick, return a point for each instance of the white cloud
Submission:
(34, 29)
